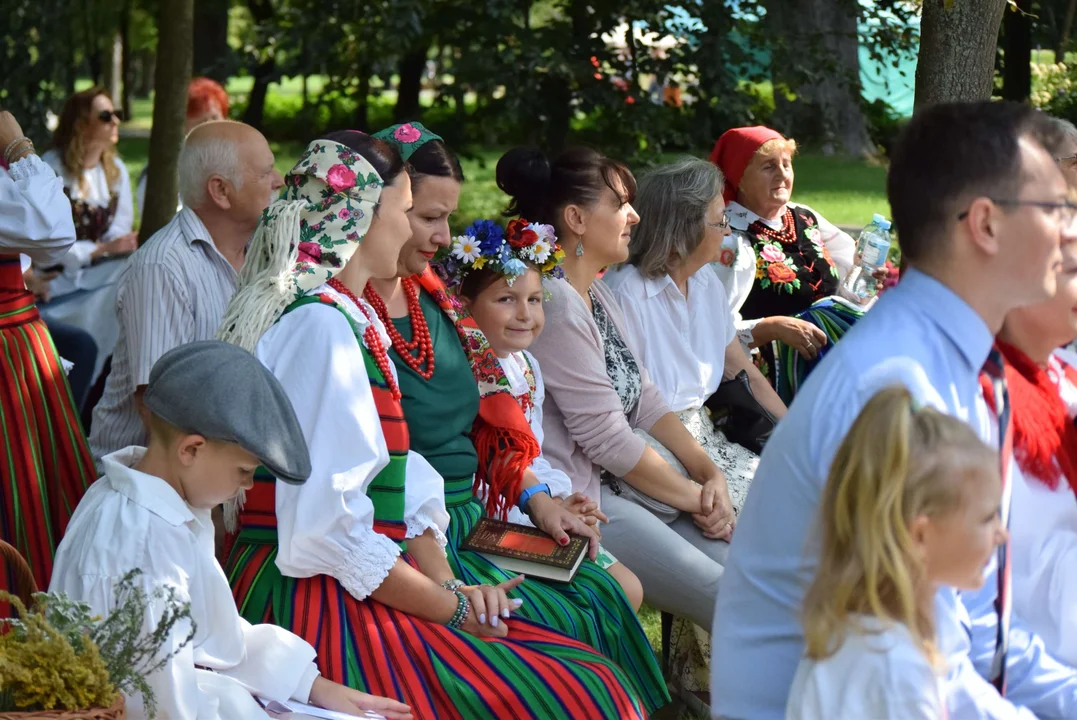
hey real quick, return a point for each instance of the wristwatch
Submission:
(528, 492)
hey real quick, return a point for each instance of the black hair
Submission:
(434, 159)
(539, 189)
(382, 156)
(949, 155)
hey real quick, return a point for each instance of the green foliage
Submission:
(59, 655)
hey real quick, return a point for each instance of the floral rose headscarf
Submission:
(304, 238)
(407, 137)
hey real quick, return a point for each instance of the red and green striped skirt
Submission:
(46, 464)
(533, 674)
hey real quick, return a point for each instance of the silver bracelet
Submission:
(14, 144)
(453, 585)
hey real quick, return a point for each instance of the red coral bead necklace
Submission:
(373, 340)
(423, 361)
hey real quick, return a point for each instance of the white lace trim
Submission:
(420, 523)
(26, 168)
(368, 566)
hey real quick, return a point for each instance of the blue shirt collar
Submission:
(950, 314)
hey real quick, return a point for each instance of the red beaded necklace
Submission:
(420, 340)
(787, 235)
(373, 340)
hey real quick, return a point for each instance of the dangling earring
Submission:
(579, 249)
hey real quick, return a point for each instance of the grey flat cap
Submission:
(224, 393)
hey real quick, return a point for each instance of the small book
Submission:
(526, 550)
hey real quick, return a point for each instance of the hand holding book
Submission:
(558, 522)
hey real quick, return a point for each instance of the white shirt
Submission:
(682, 341)
(326, 525)
(879, 674)
(738, 277)
(1043, 547)
(94, 190)
(35, 215)
(129, 520)
(921, 335)
(559, 482)
(173, 291)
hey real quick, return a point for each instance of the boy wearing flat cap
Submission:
(215, 415)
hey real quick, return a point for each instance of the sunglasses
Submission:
(106, 116)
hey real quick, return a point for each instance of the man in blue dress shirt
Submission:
(981, 211)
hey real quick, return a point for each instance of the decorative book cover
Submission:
(524, 543)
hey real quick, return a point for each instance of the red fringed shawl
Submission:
(1045, 436)
(503, 439)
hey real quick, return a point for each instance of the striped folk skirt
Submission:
(443, 674)
(592, 608)
(46, 464)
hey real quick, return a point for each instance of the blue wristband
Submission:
(528, 492)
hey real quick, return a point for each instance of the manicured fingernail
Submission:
(493, 621)
(505, 613)
(518, 602)
(564, 541)
(482, 619)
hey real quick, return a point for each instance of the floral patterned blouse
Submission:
(621, 366)
(793, 266)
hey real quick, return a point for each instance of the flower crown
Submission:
(508, 252)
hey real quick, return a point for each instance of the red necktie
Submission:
(995, 371)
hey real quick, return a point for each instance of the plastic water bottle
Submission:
(872, 249)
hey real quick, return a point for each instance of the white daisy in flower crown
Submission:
(508, 253)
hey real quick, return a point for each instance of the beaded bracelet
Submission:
(463, 608)
(16, 145)
(453, 584)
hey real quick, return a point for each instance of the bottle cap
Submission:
(881, 221)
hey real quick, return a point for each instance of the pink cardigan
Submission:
(585, 426)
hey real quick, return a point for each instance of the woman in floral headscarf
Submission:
(345, 560)
(784, 263)
(464, 419)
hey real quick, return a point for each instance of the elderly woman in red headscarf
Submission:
(783, 266)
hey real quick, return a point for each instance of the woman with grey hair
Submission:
(677, 311)
(1062, 144)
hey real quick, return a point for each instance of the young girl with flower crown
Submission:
(497, 277)
(912, 503)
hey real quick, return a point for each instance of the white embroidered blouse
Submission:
(326, 525)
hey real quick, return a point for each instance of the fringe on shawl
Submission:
(265, 289)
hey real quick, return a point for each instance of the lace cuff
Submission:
(420, 523)
(27, 167)
(369, 567)
(745, 331)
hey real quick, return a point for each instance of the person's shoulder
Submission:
(120, 165)
(560, 295)
(625, 282)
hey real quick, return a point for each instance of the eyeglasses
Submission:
(1069, 159)
(720, 225)
(106, 116)
(1062, 213)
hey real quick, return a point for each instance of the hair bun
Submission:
(524, 175)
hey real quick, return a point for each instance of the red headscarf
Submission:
(734, 151)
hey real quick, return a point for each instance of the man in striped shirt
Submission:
(176, 287)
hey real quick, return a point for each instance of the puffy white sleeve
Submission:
(842, 247)
(326, 525)
(560, 483)
(424, 499)
(125, 208)
(35, 215)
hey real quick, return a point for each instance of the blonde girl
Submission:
(911, 503)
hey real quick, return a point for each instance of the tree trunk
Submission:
(1065, 30)
(211, 41)
(362, 106)
(127, 75)
(816, 54)
(175, 20)
(410, 84)
(958, 39)
(262, 14)
(1017, 52)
